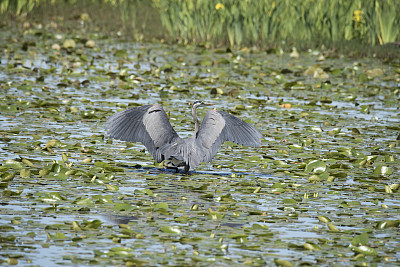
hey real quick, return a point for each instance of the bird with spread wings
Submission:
(149, 124)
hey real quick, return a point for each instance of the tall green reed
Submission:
(253, 22)
(239, 23)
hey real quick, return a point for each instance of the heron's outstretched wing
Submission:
(147, 124)
(218, 127)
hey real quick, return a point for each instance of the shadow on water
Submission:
(118, 219)
(180, 172)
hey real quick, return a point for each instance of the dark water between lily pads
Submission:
(322, 190)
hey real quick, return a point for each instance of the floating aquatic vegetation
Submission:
(322, 190)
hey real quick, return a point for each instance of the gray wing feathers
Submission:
(158, 126)
(240, 132)
(147, 124)
(185, 150)
(218, 127)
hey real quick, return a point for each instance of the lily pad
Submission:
(317, 166)
(171, 230)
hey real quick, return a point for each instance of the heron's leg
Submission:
(187, 167)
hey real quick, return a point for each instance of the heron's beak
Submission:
(207, 104)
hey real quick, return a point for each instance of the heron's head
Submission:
(199, 103)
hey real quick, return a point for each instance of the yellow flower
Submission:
(219, 6)
(357, 15)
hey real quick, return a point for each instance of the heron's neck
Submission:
(196, 122)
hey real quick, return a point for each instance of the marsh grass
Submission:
(240, 23)
(237, 24)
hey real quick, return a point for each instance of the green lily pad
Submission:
(388, 224)
(361, 239)
(56, 236)
(13, 164)
(317, 166)
(171, 230)
(382, 170)
(365, 250)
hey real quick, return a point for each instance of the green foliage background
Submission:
(245, 23)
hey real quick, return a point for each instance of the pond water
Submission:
(322, 190)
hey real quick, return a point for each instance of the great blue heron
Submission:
(150, 125)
